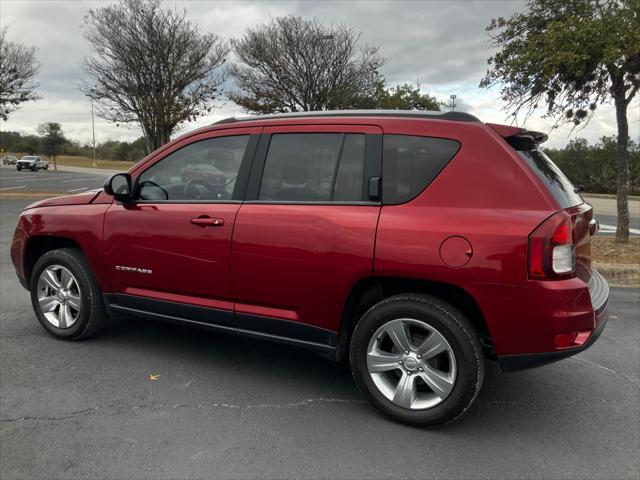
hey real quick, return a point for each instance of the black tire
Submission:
(19, 168)
(46, 167)
(93, 314)
(34, 169)
(451, 324)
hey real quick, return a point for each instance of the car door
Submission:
(168, 250)
(305, 233)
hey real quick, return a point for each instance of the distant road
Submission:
(605, 210)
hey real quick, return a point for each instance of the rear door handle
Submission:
(205, 221)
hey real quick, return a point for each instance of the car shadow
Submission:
(542, 399)
(259, 359)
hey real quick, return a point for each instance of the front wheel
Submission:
(65, 296)
(34, 169)
(19, 168)
(417, 359)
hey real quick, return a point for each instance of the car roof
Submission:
(419, 114)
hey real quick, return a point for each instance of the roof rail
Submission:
(421, 114)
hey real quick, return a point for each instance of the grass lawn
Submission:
(87, 162)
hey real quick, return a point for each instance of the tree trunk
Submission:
(155, 136)
(622, 231)
(55, 164)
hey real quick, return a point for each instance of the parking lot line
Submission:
(32, 179)
(12, 188)
(82, 180)
(78, 189)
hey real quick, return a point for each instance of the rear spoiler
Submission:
(519, 138)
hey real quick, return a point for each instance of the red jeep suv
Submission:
(413, 244)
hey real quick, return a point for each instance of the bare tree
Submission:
(52, 140)
(151, 66)
(293, 64)
(18, 68)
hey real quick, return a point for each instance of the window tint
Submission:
(204, 170)
(559, 185)
(410, 163)
(306, 167)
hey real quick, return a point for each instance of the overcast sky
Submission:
(442, 44)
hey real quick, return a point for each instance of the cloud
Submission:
(443, 45)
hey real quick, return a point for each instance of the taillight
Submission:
(551, 250)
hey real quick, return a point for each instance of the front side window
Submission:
(308, 167)
(204, 170)
(410, 163)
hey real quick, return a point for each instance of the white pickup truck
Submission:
(32, 162)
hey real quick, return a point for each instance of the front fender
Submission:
(81, 224)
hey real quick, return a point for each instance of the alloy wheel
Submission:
(59, 296)
(411, 363)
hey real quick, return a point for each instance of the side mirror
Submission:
(119, 185)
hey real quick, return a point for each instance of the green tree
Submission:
(594, 166)
(402, 97)
(572, 55)
(52, 139)
(28, 144)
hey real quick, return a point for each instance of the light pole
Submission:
(93, 130)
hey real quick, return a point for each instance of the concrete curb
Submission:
(620, 275)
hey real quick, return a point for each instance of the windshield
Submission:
(559, 185)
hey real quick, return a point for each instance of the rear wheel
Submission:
(46, 167)
(65, 297)
(417, 359)
(19, 168)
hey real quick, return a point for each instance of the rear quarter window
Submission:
(410, 163)
(556, 182)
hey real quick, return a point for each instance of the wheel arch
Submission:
(371, 290)
(40, 244)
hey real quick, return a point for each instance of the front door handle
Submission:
(205, 221)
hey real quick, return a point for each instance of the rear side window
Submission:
(410, 163)
(557, 183)
(313, 167)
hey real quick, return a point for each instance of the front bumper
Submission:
(23, 281)
(599, 292)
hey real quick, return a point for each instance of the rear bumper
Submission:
(599, 293)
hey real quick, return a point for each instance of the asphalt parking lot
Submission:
(12, 181)
(226, 407)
